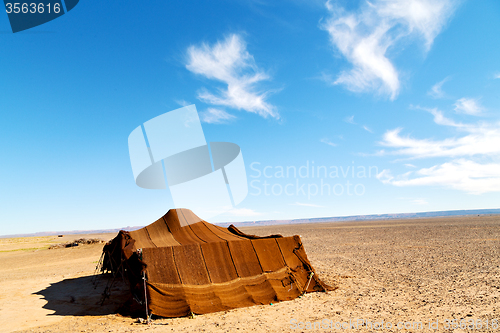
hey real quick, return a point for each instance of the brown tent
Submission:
(186, 265)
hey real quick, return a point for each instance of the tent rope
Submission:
(95, 278)
(308, 267)
(107, 290)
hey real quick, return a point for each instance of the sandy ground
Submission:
(399, 271)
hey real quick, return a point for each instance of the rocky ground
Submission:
(417, 273)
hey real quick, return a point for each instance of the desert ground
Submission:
(399, 272)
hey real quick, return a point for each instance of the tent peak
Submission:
(181, 217)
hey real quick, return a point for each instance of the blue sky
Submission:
(406, 89)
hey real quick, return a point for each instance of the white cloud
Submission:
(468, 106)
(437, 89)
(306, 205)
(216, 116)
(479, 140)
(328, 142)
(243, 212)
(229, 62)
(364, 38)
(473, 157)
(460, 174)
(497, 75)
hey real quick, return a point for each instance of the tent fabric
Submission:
(192, 266)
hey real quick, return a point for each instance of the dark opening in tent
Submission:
(181, 264)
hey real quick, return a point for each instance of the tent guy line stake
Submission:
(309, 281)
(145, 297)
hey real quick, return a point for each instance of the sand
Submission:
(398, 271)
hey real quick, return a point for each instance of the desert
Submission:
(411, 275)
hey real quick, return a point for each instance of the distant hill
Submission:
(295, 221)
(72, 232)
(366, 217)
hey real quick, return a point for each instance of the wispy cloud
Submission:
(468, 106)
(368, 129)
(306, 205)
(437, 89)
(350, 120)
(228, 61)
(419, 201)
(216, 116)
(328, 142)
(496, 75)
(439, 117)
(182, 102)
(473, 157)
(365, 36)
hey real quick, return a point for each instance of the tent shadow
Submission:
(79, 296)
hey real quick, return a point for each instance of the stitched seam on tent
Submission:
(170, 231)
(166, 224)
(205, 262)
(203, 222)
(232, 259)
(281, 252)
(183, 216)
(176, 268)
(181, 213)
(258, 259)
(194, 233)
(149, 236)
(284, 271)
(173, 235)
(189, 225)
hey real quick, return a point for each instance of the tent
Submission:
(181, 265)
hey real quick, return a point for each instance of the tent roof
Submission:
(180, 227)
